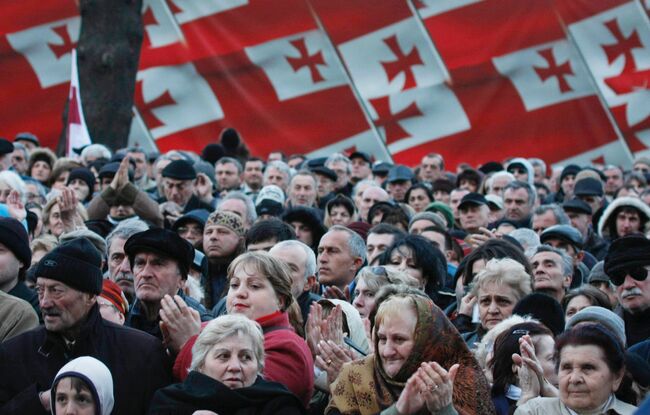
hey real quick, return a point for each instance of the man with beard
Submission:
(627, 264)
(119, 269)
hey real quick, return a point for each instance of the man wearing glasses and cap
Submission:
(627, 265)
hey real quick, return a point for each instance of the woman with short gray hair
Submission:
(225, 375)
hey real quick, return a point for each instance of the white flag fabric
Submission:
(77, 131)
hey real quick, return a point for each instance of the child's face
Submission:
(73, 397)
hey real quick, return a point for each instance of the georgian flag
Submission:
(77, 135)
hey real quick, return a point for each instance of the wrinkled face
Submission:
(155, 277)
(455, 198)
(119, 268)
(341, 170)
(402, 259)
(396, 338)
(140, 160)
(419, 200)
(250, 293)
(376, 244)
(339, 215)
(19, 161)
(9, 268)
(253, 175)
(516, 204)
(302, 190)
(80, 188)
(364, 298)
(109, 311)
(227, 176)
(324, 185)
(586, 382)
(274, 176)
(303, 233)
(360, 169)
(472, 217)
(614, 180)
(548, 274)
(498, 184)
(545, 353)
(63, 307)
(69, 400)
(371, 196)
(296, 258)
(54, 222)
(178, 191)
(232, 362)
(633, 295)
(627, 222)
(430, 169)
(397, 189)
(576, 304)
(191, 232)
(219, 241)
(495, 303)
(543, 221)
(33, 195)
(580, 221)
(336, 265)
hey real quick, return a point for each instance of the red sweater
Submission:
(287, 358)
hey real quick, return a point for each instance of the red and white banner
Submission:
(77, 135)
(474, 80)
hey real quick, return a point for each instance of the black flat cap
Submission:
(399, 173)
(324, 171)
(6, 146)
(472, 199)
(627, 252)
(563, 232)
(360, 155)
(381, 168)
(578, 206)
(163, 242)
(28, 137)
(588, 187)
(179, 170)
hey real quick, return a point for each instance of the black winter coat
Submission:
(29, 363)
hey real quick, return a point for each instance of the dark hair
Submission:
(266, 230)
(594, 295)
(505, 345)
(422, 186)
(494, 248)
(448, 239)
(79, 385)
(386, 229)
(341, 200)
(470, 175)
(430, 260)
(594, 335)
(392, 213)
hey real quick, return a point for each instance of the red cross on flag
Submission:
(77, 135)
(614, 38)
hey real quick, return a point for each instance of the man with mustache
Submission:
(68, 282)
(627, 264)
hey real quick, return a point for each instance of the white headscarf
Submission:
(95, 374)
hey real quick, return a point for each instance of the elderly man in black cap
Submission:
(6, 149)
(399, 179)
(15, 258)
(473, 212)
(568, 239)
(160, 260)
(68, 282)
(580, 215)
(627, 264)
(179, 182)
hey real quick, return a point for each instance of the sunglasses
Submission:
(637, 273)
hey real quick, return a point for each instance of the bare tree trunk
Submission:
(108, 53)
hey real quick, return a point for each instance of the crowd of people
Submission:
(224, 283)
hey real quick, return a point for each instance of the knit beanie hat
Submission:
(431, 217)
(228, 219)
(76, 264)
(14, 237)
(83, 174)
(445, 210)
(113, 293)
(600, 315)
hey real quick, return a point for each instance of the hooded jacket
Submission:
(607, 220)
(529, 168)
(95, 375)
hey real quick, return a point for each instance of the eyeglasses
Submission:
(638, 273)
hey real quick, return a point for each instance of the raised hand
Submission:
(178, 322)
(436, 385)
(15, 206)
